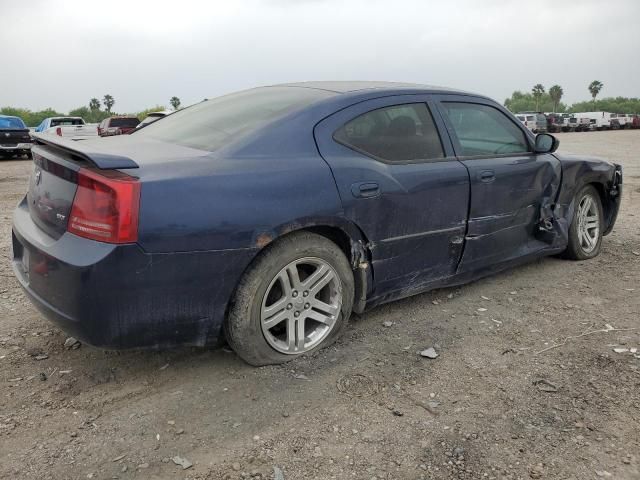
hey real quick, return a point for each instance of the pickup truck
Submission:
(72, 128)
(117, 126)
(14, 137)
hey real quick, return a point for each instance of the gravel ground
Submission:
(490, 406)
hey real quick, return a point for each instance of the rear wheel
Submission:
(585, 232)
(296, 298)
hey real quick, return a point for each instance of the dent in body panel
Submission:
(579, 171)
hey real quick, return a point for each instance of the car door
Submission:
(399, 182)
(511, 186)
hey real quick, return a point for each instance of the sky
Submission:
(142, 52)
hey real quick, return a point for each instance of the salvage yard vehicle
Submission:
(540, 121)
(15, 139)
(597, 120)
(529, 121)
(152, 117)
(73, 128)
(555, 122)
(268, 216)
(120, 125)
(575, 123)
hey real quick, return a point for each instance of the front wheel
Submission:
(585, 232)
(296, 298)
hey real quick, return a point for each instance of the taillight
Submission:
(59, 131)
(105, 207)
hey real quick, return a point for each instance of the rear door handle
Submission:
(487, 176)
(365, 189)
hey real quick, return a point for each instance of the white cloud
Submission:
(60, 54)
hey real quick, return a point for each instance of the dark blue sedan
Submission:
(270, 215)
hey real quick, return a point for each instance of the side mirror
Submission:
(546, 143)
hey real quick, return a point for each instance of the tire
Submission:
(262, 292)
(578, 247)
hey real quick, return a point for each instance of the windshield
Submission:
(213, 123)
(56, 122)
(11, 122)
(124, 122)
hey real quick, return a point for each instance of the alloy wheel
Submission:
(588, 224)
(301, 305)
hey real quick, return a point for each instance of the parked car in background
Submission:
(72, 128)
(269, 215)
(541, 121)
(624, 120)
(529, 121)
(634, 120)
(120, 125)
(152, 117)
(575, 123)
(597, 120)
(555, 122)
(14, 137)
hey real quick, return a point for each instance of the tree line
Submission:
(95, 111)
(541, 100)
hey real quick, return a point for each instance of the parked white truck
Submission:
(72, 128)
(598, 120)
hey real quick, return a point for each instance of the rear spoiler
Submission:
(87, 152)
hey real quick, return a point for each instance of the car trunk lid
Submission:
(52, 187)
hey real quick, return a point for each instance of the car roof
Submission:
(360, 85)
(9, 116)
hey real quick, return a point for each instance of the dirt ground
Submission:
(492, 405)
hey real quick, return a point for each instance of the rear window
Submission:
(11, 122)
(124, 122)
(530, 118)
(213, 123)
(56, 122)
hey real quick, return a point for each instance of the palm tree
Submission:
(537, 91)
(108, 102)
(556, 93)
(94, 104)
(175, 102)
(594, 89)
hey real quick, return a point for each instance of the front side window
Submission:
(401, 133)
(484, 130)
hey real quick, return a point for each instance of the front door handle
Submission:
(365, 189)
(487, 176)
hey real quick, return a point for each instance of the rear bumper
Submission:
(118, 296)
(17, 146)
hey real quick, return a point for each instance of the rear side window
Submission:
(56, 122)
(399, 133)
(125, 122)
(484, 130)
(214, 123)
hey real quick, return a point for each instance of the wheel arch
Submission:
(608, 204)
(348, 236)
